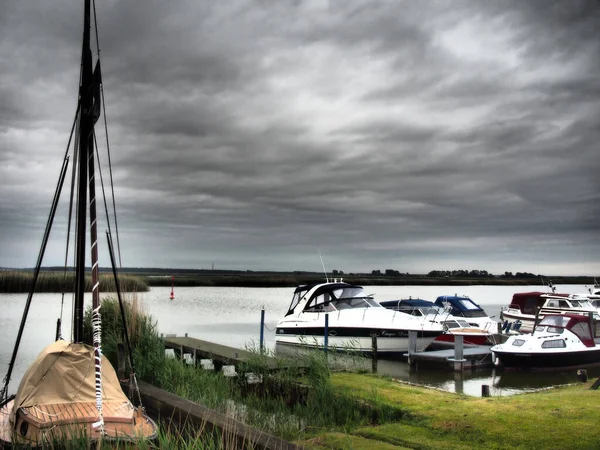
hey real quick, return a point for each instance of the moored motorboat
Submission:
(461, 306)
(353, 318)
(527, 307)
(453, 326)
(559, 340)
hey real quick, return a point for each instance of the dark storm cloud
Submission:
(386, 133)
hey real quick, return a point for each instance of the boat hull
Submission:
(542, 360)
(389, 342)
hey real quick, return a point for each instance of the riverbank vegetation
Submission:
(140, 279)
(21, 282)
(343, 410)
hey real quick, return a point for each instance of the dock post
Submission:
(459, 343)
(262, 331)
(374, 352)
(412, 347)
(485, 390)
(326, 336)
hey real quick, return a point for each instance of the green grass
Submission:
(559, 418)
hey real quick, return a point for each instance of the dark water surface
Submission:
(231, 316)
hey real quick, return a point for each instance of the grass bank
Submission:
(561, 418)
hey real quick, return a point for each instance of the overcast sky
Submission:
(410, 135)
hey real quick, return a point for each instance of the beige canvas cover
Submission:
(64, 373)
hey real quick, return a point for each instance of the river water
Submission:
(231, 316)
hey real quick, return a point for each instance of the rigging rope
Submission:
(61, 179)
(107, 143)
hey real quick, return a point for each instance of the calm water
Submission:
(231, 316)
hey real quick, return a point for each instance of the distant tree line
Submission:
(451, 274)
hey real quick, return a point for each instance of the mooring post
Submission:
(262, 330)
(326, 336)
(459, 343)
(485, 390)
(412, 347)
(374, 352)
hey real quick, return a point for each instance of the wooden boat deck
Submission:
(121, 421)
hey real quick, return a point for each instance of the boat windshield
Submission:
(356, 302)
(555, 321)
(581, 304)
(553, 330)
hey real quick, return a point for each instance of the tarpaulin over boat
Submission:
(64, 373)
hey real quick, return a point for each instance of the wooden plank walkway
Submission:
(225, 355)
(473, 357)
(183, 413)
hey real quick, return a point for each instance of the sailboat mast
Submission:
(86, 128)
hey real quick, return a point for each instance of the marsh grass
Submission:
(20, 281)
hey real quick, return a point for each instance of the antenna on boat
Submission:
(323, 264)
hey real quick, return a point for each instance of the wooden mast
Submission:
(86, 128)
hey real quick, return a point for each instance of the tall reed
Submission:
(21, 281)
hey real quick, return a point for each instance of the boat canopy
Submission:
(460, 306)
(529, 302)
(64, 373)
(322, 297)
(578, 324)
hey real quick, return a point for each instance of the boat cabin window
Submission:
(554, 343)
(530, 305)
(518, 342)
(468, 304)
(582, 330)
(320, 303)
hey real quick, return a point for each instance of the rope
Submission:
(97, 336)
(107, 142)
(271, 330)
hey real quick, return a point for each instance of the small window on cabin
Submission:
(530, 305)
(564, 304)
(320, 303)
(518, 342)
(554, 343)
(552, 304)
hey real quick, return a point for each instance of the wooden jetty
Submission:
(457, 358)
(223, 355)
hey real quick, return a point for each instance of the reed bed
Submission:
(21, 281)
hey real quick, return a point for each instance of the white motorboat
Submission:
(453, 326)
(559, 340)
(526, 306)
(353, 317)
(461, 306)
